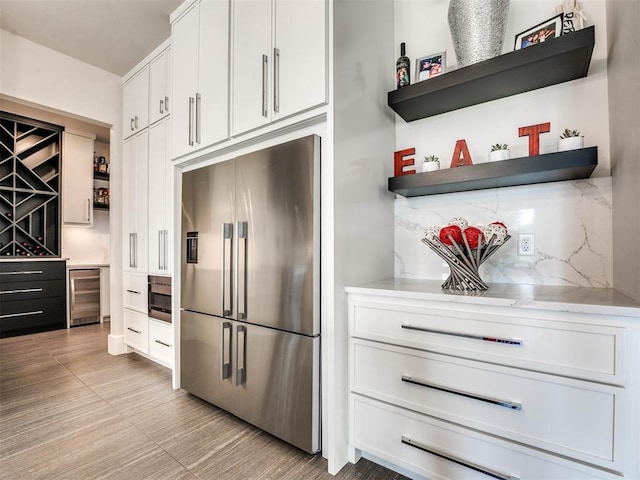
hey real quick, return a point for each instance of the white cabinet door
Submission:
(159, 85)
(135, 200)
(77, 179)
(281, 71)
(184, 58)
(300, 57)
(252, 65)
(212, 98)
(200, 76)
(135, 108)
(160, 199)
(136, 330)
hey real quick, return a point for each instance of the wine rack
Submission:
(29, 187)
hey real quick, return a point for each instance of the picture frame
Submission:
(430, 66)
(551, 28)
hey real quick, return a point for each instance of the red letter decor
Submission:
(534, 131)
(461, 155)
(399, 163)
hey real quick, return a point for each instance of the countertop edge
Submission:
(587, 300)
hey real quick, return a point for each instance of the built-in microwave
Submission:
(160, 298)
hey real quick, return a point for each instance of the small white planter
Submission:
(570, 143)
(498, 155)
(430, 166)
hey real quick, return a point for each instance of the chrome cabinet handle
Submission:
(88, 209)
(131, 265)
(135, 250)
(276, 80)
(24, 290)
(166, 104)
(23, 314)
(198, 118)
(166, 249)
(132, 127)
(493, 401)
(72, 293)
(241, 355)
(227, 258)
(161, 106)
(23, 272)
(133, 291)
(191, 106)
(136, 117)
(226, 350)
(134, 330)
(163, 344)
(159, 249)
(473, 466)
(243, 235)
(504, 341)
(265, 72)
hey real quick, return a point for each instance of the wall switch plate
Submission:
(526, 244)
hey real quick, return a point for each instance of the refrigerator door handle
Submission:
(226, 350)
(227, 256)
(243, 233)
(241, 356)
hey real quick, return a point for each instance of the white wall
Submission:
(623, 18)
(47, 79)
(571, 221)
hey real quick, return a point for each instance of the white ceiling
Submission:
(111, 34)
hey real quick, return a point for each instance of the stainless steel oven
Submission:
(160, 298)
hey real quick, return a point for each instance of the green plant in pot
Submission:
(570, 140)
(499, 151)
(431, 163)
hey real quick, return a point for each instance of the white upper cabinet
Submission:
(136, 103)
(279, 60)
(135, 163)
(159, 86)
(77, 178)
(200, 79)
(160, 199)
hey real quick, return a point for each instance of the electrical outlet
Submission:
(526, 244)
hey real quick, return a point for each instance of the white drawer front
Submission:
(572, 417)
(452, 452)
(161, 341)
(135, 292)
(578, 350)
(136, 330)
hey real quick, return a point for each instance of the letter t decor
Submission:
(533, 132)
(399, 162)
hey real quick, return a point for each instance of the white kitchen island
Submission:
(520, 381)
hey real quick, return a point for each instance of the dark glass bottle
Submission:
(403, 68)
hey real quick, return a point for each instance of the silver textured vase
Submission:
(477, 28)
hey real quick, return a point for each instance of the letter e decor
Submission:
(533, 132)
(399, 162)
(461, 155)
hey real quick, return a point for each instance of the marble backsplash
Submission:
(571, 222)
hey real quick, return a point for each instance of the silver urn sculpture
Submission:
(477, 28)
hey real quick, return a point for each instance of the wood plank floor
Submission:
(69, 410)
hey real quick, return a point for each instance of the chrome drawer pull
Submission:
(492, 473)
(24, 314)
(24, 272)
(133, 291)
(24, 290)
(505, 341)
(494, 401)
(134, 330)
(162, 343)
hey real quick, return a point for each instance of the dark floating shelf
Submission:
(100, 176)
(550, 167)
(555, 61)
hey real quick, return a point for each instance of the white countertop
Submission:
(76, 266)
(32, 259)
(605, 301)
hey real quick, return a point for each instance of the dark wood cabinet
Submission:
(33, 297)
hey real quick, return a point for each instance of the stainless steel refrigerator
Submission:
(250, 319)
